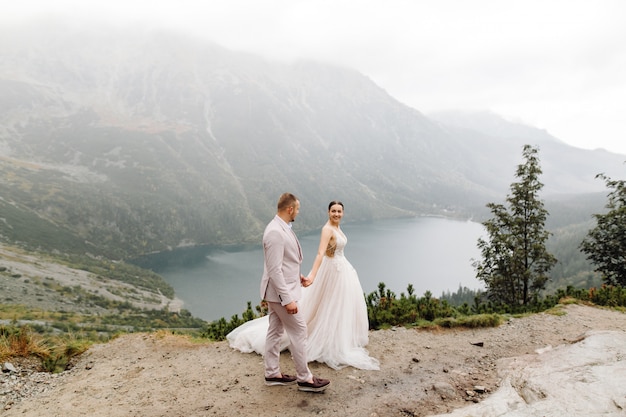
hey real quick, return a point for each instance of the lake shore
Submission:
(430, 253)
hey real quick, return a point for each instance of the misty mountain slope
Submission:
(141, 141)
(566, 169)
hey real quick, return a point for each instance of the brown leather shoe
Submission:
(280, 380)
(318, 385)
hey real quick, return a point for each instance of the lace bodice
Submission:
(341, 240)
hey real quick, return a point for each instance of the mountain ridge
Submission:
(136, 142)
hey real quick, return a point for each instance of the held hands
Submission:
(305, 281)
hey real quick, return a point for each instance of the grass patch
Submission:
(54, 352)
(471, 322)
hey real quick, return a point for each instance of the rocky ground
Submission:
(423, 372)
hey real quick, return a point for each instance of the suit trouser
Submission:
(279, 321)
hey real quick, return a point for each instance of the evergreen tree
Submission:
(515, 262)
(605, 245)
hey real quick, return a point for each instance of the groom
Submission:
(280, 288)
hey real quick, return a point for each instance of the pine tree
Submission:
(605, 245)
(515, 262)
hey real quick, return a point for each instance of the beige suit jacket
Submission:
(282, 258)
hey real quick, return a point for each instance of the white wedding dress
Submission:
(335, 312)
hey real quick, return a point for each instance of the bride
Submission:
(334, 308)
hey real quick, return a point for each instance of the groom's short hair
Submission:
(286, 200)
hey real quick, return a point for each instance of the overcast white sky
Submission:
(559, 65)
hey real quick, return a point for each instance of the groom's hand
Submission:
(292, 307)
(305, 281)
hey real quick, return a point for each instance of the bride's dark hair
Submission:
(332, 203)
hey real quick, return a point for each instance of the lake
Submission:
(434, 254)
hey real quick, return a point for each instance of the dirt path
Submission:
(422, 373)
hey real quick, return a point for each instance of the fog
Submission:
(556, 65)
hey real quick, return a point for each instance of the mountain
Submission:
(125, 142)
(566, 169)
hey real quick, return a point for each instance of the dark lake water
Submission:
(434, 254)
